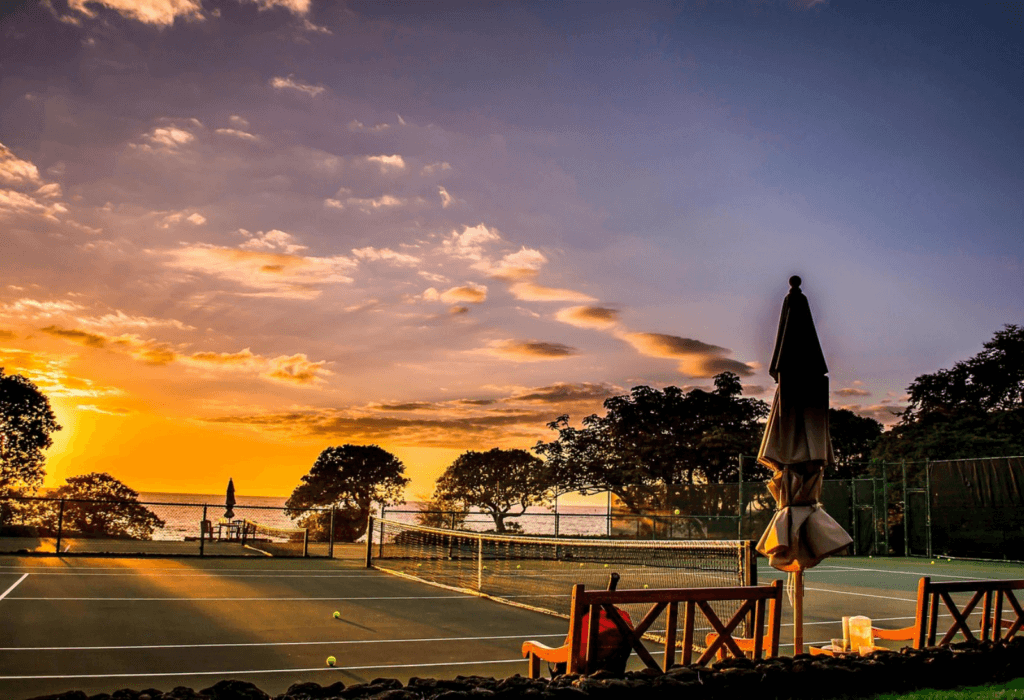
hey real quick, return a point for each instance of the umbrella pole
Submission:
(798, 613)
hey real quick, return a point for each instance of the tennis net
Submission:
(538, 572)
(275, 541)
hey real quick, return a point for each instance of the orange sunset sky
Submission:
(235, 232)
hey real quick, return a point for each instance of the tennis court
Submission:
(100, 624)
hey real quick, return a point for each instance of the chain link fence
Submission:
(43, 525)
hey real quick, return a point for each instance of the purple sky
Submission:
(237, 232)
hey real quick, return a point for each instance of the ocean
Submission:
(182, 513)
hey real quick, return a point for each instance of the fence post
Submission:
(60, 524)
(928, 505)
(903, 497)
(885, 512)
(608, 516)
(369, 541)
(480, 564)
(739, 504)
(853, 514)
(202, 533)
(330, 536)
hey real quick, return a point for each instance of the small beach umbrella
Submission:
(229, 500)
(796, 447)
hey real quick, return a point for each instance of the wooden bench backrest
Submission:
(995, 596)
(753, 599)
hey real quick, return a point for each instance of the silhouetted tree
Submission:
(26, 423)
(351, 478)
(975, 409)
(853, 438)
(495, 481)
(107, 508)
(650, 439)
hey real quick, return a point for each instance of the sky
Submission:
(236, 232)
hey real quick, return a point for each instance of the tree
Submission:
(495, 481)
(349, 478)
(650, 439)
(441, 511)
(99, 505)
(853, 438)
(975, 409)
(26, 423)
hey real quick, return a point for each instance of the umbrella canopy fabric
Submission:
(229, 500)
(797, 446)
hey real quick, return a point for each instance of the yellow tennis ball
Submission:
(933, 562)
(337, 615)
(646, 586)
(519, 566)
(606, 566)
(677, 511)
(331, 661)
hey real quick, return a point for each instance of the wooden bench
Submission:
(995, 597)
(584, 602)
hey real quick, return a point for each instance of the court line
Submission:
(281, 644)
(140, 575)
(861, 595)
(334, 669)
(13, 586)
(262, 600)
(931, 574)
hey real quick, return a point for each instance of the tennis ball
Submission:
(337, 615)
(646, 586)
(519, 566)
(677, 511)
(331, 661)
(606, 566)
(933, 562)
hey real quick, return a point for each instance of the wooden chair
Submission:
(753, 599)
(993, 594)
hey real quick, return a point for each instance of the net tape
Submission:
(274, 540)
(538, 572)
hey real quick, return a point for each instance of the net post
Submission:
(739, 503)
(749, 573)
(202, 533)
(60, 524)
(330, 536)
(853, 514)
(480, 563)
(369, 542)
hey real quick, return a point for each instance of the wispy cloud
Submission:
(530, 350)
(161, 13)
(529, 291)
(14, 171)
(697, 358)
(599, 317)
(290, 83)
(468, 293)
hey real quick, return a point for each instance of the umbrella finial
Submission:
(794, 283)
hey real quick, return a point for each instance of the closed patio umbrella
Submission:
(796, 446)
(229, 500)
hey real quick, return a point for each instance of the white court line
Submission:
(861, 595)
(13, 586)
(930, 573)
(162, 576)
(281, 644)
(283, 599)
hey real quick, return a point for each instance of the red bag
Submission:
(609, 638)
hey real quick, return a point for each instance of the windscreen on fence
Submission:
(977, 508)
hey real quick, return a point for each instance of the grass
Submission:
(1014, 690)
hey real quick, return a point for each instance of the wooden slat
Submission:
(658, 595)
(689, 612)
(575, 627)
(671, 620)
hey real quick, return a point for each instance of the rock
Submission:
(234, 690)
(69, 695)
(305, 690)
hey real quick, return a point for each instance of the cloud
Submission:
(271, 240)
(169, 137)
(15, 172)
(238, 134)
(12, 203)
(468, 293)
(271, 273)
(106, 411)
(885, 414)
(195, 218)
(385, 254)
(446, 199)
(243, 359)
(469, 245)
(295, 369)
(524, 264)
(7, 335)
(91, 340)
(408, 406)
(528, 291)
(358, 126)
(530, 350)
(563, 392)
(119, 319)
(290, 83)
(849, 391)
(599, 317)
(34, 308)
(386, 201)
(697, 358)
(393, 162)
(49, 372)
(161, 13)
